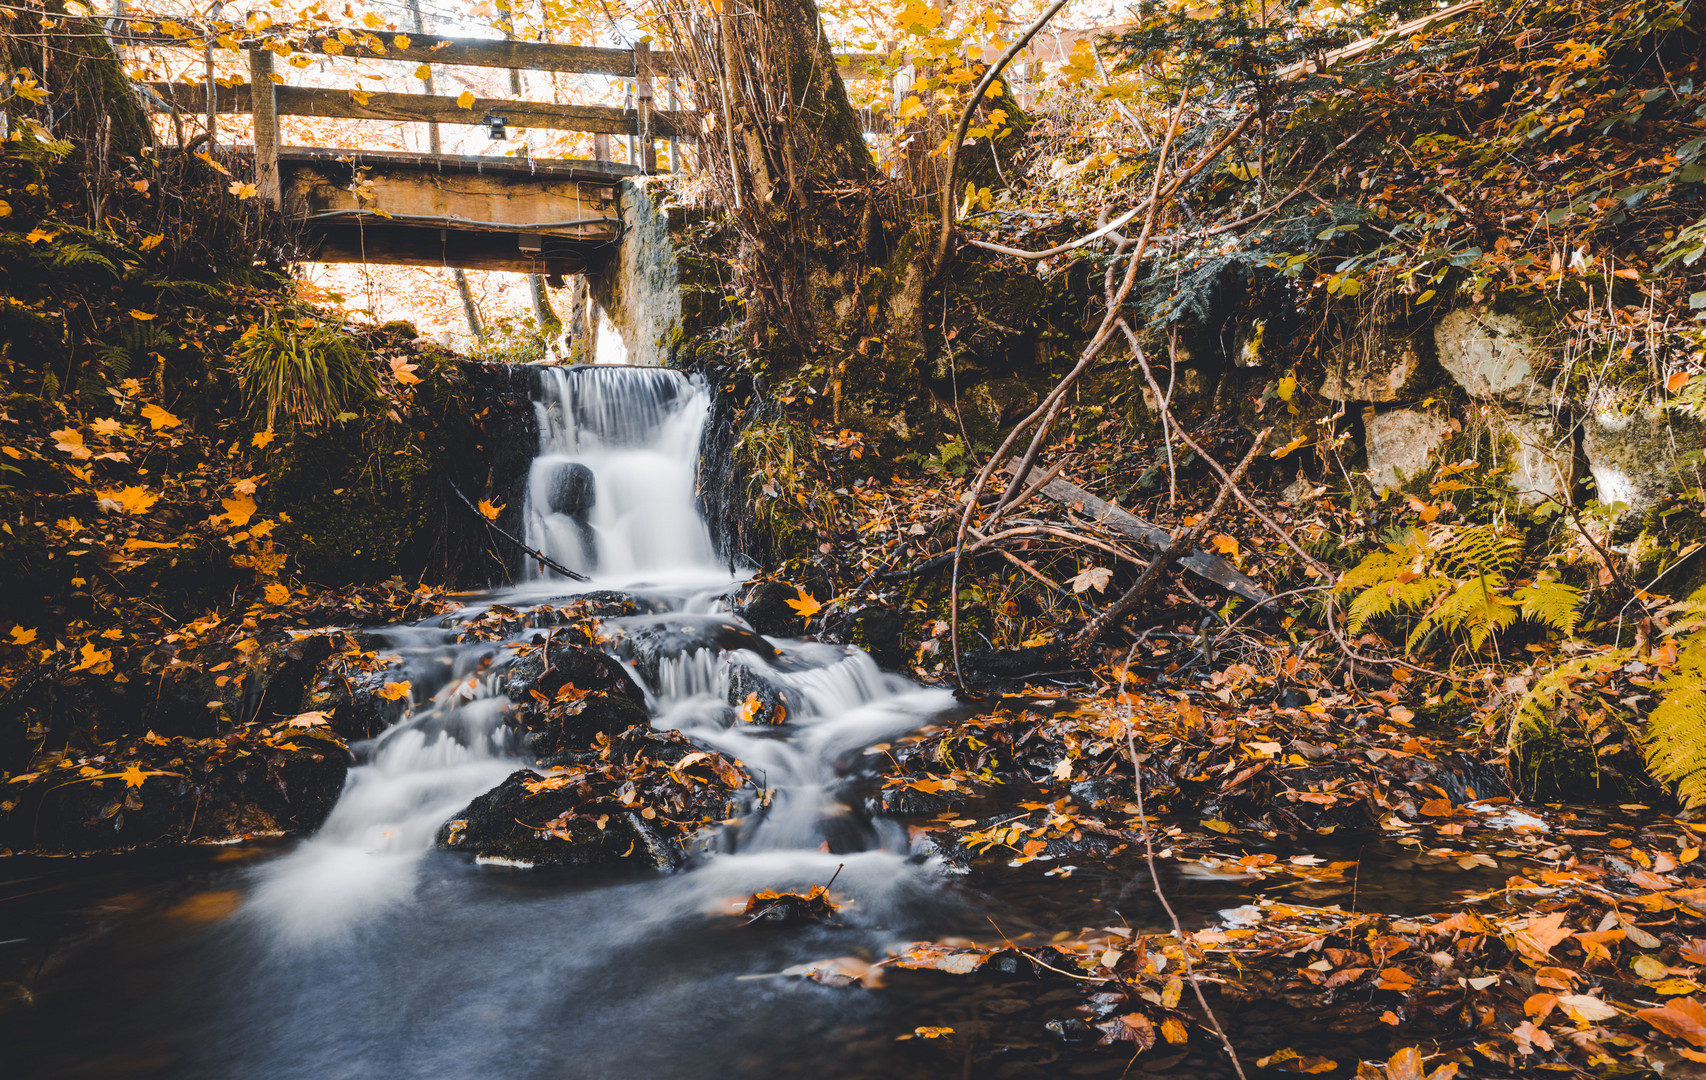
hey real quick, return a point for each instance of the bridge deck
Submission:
(475, 213)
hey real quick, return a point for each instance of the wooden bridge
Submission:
(472, 212)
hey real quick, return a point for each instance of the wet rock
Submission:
(757, 698)
(610, 604)
(1400, 444)
(1493, 354)
(876, 629)
(648, 645)
(571, 726)
(765, 608)
(572, 490)
(358, 705)
(260, 680)
(564, 833)
(1639, 457)
(547, 671)
(254, 780)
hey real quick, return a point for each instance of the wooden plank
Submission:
(1211, 568)
(390, 244)
(420, 108)
(607, 173)
(426, 49)
(264, 104)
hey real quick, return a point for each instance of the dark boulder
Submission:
(765, 608)
(564, 830)
(572, 490)
(548, 670)
(566, 728)
(876, 629)
(757, 698)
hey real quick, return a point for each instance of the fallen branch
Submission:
(544, 559)
(1147, 580)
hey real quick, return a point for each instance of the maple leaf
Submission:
(106, 426)
(1224, 544)
(805, 606)
(95, 661)
(401, 41)
(395, 691)
(159, 418)
(1092, 577)
(238, 511)
(149, 243)
(262, 438)
(310, 719)
(1535, 940)
(276, 593)
(490, 510)
(134, 499)
(70, 440)
(465, 100)
(245, 190)
(21, 636)
(404, 372)
(133, 775)
(37, 236)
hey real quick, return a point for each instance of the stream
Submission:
(363, 951)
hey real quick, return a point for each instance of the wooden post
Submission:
(643, 103)
(674, 140)
(264, 101)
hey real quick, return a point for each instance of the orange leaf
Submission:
(132, 775)
(490, 510)
(805, 606)
(131, 500)
(1535, 940)
(395, 691)
(1682, 1018)
(1677, 381)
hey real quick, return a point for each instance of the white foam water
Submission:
(611, 495)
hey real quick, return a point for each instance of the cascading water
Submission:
(611, 495)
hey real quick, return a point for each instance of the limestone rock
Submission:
(1491, 354)
(1542, 457)
(1637, 458)
(1373, 366)
(1401, 442)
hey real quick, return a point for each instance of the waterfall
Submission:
(611, 494)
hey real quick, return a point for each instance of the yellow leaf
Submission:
(106, 426)
(1224, 544)
(159, 418)
(1173, 1031)
(423, 72)
(37, 236)
(70, 440)
(134, 544)
(140, 315)
(244, 190)
(262, 438)
(134, 499)
(5, 208)
(490, 510)
(12, 452)
(238, 511)
(95, 661)
(132, 775)
(277, 594)
(401, 41)
(805, 606)
(1217, 826)
(20, 636)
(465, 100)
(395, 691)
(748, 708)
(404, 372)
(362, 97)
(1290, 446)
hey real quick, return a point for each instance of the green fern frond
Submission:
(1393, 598)
(81, 256)
(1477, 606)
(1675, 740)
(1552, 603)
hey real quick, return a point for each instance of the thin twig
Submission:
(1155, 875)
(543, 558)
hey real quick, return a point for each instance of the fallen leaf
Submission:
(134, 499)
(159, 418)
(404, 372)
(276, 593)
(490, 510)
(1585, 1008)
(805, 606)
(1682, 1018)
(262, 438)
(1093, 577)
(395, 691)
(21, 636)
(238, 511)
(132, 774)
(1536, 940)
(142, 315)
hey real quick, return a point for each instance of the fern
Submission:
(1674, 742)
(1553, 604)
(1476, 605)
